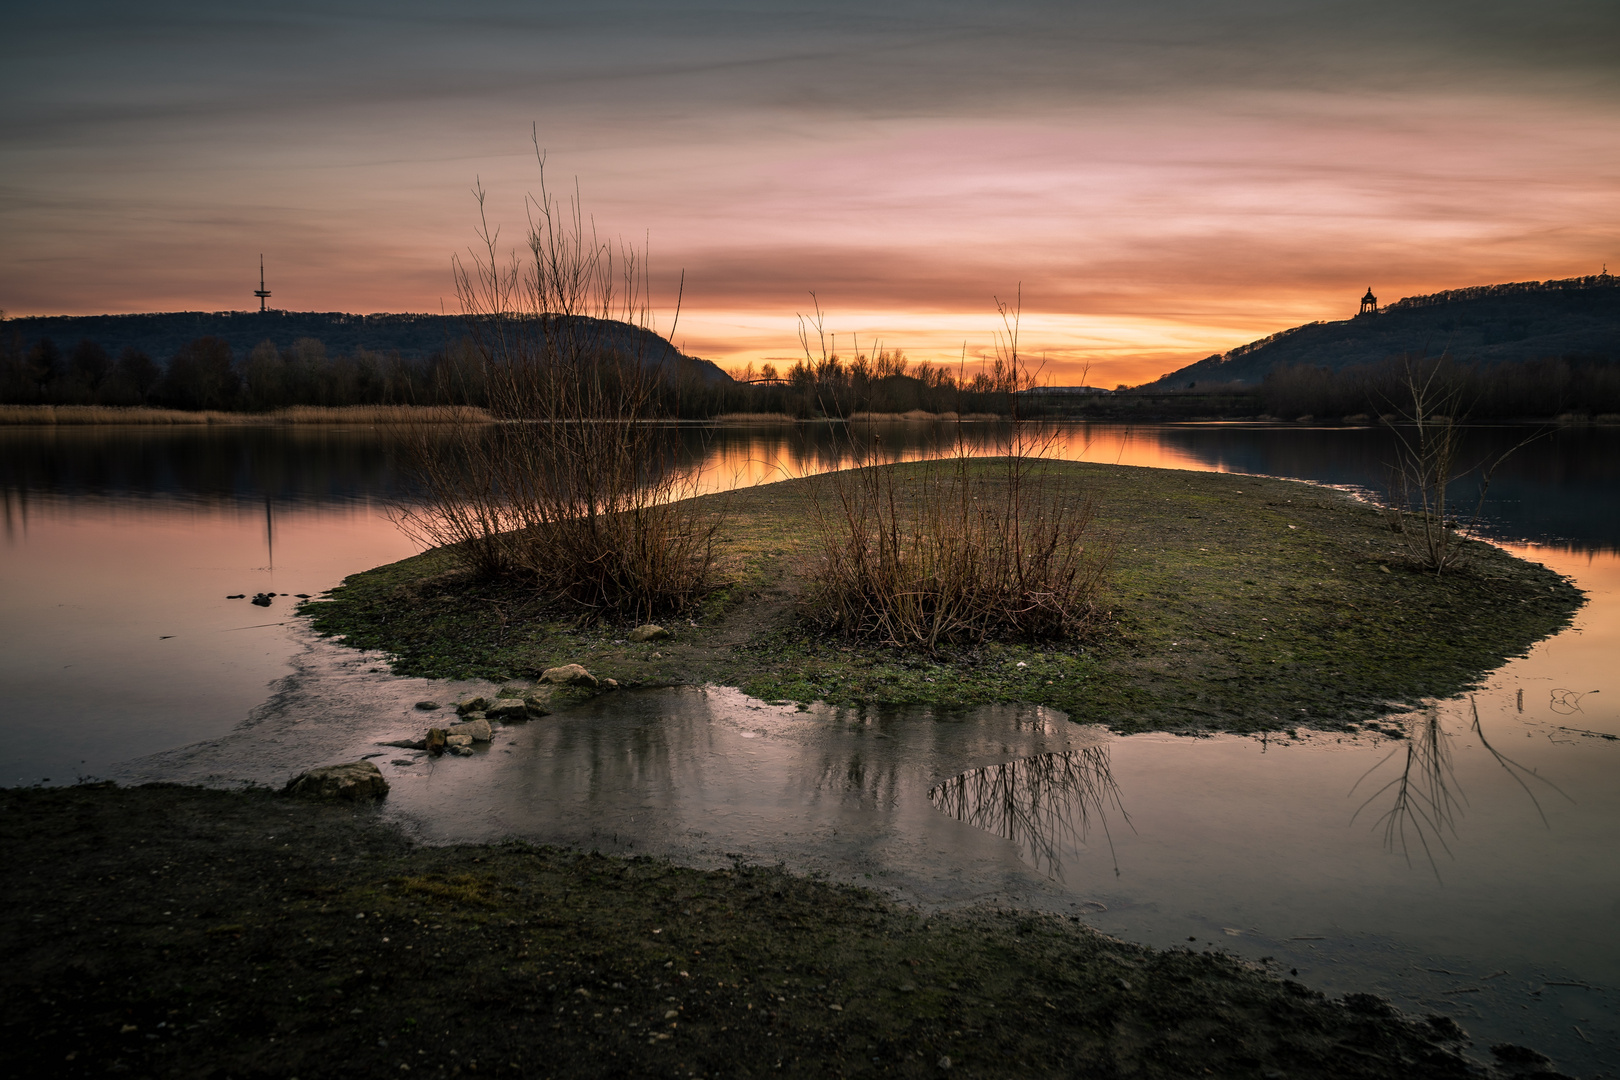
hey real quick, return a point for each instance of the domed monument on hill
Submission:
(1369, 304)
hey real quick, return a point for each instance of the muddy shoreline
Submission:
(177, 931)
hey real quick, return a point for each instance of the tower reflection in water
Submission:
(1044, 804)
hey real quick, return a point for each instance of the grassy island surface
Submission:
(1236, 603)
(180, 932)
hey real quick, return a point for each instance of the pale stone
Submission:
(648, 632)
(453, 741)
(568, 675)
(477, 730)
(354, 781)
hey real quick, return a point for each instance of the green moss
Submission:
(1237, 603)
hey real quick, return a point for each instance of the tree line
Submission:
(885, 382)
(1504, 390)
(206, 373)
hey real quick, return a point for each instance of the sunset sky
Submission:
(1166, 179)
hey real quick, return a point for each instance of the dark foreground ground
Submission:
(167, 931)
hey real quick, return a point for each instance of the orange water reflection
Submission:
(734, 456)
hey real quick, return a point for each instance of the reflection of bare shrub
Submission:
(1426, 799)
(1042, 803)
(575, 485)
(958, 549)
(1424, 808)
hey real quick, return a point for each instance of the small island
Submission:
(1234, 603)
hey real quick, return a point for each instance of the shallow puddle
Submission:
(1466, 867)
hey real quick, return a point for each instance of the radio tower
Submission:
(261, 292)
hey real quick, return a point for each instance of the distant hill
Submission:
(1529, 320)
(414, 337)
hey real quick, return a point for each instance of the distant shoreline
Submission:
(147, 416)
(87, 415)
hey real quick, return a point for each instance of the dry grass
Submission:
(382, 414)
(755, 418)
(83, 415)
(107, 414)
(952, 551)
(922, 415)
(958, 549)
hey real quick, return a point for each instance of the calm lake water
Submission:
(1471, 868)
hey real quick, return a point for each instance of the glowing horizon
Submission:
(1163, 183)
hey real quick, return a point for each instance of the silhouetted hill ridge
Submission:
(1526, 320)
(413, 337)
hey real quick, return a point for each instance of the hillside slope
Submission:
(1491, 323)
(413, 337)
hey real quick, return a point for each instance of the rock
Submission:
(406, 744)
(427, 706)
(514, 691)
(237, 596)
(435, 740)
(507, 708)
(453, 741)
(261, 600)
(474, 703)
(354, 781)
(478, 715)
(461, 751)
(403, 762)
(477, 730)
(649, 632)
(610, 684)
(568, 675)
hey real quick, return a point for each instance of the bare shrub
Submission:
(958, 549)
(1428, 443)
(576, 485)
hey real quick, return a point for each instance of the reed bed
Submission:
(755, 418)
(382, 414)
(82, 415)
(77, 415)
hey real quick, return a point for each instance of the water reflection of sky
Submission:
(1561, 487)
(1366, 863)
